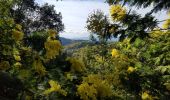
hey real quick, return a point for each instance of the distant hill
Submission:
(71, 45)
(76, 45)
(66, 41)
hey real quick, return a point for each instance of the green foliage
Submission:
(37, 39)
(98, 24)
(36, 67)
(139, 67)
(157, 4)
(129, 25)
(34, 17)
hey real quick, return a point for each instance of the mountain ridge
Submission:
(66, 41)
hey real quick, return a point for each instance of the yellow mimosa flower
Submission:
(17, 35)
(115, 53)
(17, 64)
(52, 33)
(52, 47)
(54, 87)
(117, 12)
(130, 69)
(17, 58)
(166, 24)
(146, 96)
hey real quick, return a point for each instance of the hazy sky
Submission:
(75, 13)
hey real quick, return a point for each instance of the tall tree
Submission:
(34, 17)
(124, 24)
(157, 4)
(98, 23)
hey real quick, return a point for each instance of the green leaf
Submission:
(138, 64)
(167, 86)
(157, 61)
(163, 69)
(147, 55)
(24, 74)
(166, 78)
(137, 42)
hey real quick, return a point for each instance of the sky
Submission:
(75, 14)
